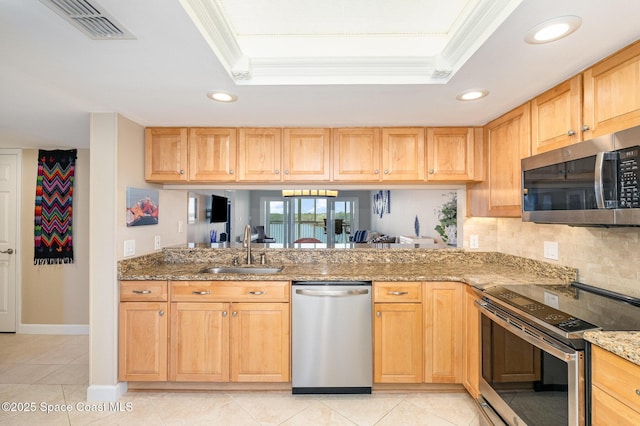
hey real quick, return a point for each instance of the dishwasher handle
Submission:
(332, 293)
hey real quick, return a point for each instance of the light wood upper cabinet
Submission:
(306, 154)
(143, 331)
(556, 117)
(356, 154)
(612, 93)
(450, 154)
(403, 154)
(165, 154)
(443, 331)
(398, 335)
(507, 140)
(260, 154)
(212, 154)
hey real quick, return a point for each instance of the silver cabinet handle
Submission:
(398, 293)
(638, 392)
(571, 132)
(286, 172)
(231, 172)
(277, 171)
(257, 293)
(181, 172)
(202, 293)
(585, 128)
(386, 172)
(234, 314)
(161, 313)
(7, 251)
(141, 291)
(224, 313)
(376, 171)
(431, 171)
(378, 314)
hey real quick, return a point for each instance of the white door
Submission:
(8, 235)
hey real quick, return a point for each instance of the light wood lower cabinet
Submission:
(142, 331)
(443, 331)
(230, 331)
(615, 389)
(471, 357)
(398, 344)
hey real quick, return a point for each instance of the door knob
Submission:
(8, 251)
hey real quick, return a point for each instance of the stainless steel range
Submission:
(534, 357)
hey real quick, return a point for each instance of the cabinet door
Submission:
(143, 341)
(199, 342)
(212, 154)
(260, 342)
(260, 154)
(471, 343)
(443, 343)
(356, 154)
(165, 154)
(306, 154)
(403, 154)
(507, 141)
(450, 154)
(397, 343)
(556, 117)
(612, 93)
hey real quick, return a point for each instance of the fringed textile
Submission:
(53, 218)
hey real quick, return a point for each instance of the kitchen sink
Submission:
(249, 269)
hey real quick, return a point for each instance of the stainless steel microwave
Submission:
(592, 183)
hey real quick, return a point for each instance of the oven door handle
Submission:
(530, 335)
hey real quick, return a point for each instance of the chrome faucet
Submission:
(246, 242)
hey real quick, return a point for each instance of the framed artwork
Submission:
(142, 206)
(382, 203)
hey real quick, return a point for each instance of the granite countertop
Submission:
(394, 265)
(625, 344)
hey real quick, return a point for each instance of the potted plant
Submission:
(448, 218)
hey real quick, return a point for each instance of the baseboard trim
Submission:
(74, 329)
(106, 393)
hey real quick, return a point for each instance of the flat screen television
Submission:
(218, 209)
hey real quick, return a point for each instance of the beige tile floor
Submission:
(44, 372)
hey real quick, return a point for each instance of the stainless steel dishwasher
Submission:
(331, 337)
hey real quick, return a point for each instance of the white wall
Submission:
(406, 204)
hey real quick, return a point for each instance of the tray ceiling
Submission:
(345, 41)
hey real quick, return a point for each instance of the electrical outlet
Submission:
(551, 299)
(180, 225)
(551, 250)
(129, 247)
(156, 243)
(473, 241)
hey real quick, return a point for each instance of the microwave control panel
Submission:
(628, 177)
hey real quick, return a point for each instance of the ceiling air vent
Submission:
(90, 19)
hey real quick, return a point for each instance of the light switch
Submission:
(156, 243)
(473, 241)
(129, 247)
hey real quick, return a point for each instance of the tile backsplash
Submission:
(605, 257)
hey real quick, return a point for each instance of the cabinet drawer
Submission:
(230, 291)
(607, 410)
(617, 376)
(143, 291)
(397, 292)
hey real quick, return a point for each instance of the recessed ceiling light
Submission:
(553, 29)
(222, 96)
(473, 94)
